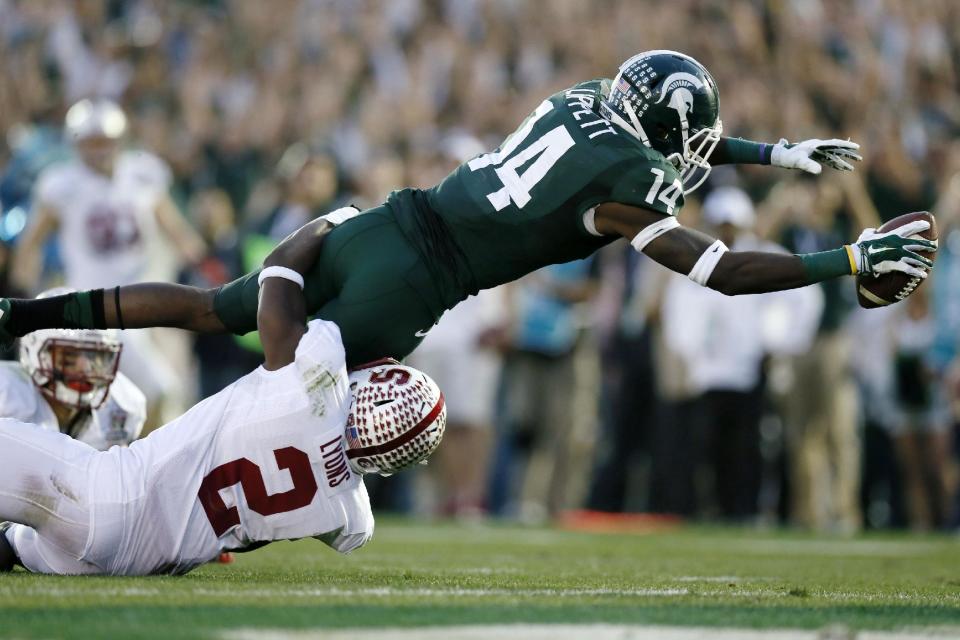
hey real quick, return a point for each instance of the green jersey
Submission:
(386, 276)
(523, 206)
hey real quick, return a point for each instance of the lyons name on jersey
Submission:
(335, 462)
(581, 101)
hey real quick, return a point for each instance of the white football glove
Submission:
(879, 253)
(809, 154)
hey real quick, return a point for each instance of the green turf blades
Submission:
(415, 574)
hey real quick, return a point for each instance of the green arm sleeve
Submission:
(740, 151)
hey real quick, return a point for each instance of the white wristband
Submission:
(588, 222)
(653, 231)
(280, 272)
(707, 263)
(341, 215)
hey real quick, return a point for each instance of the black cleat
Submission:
(8, 559)
(6, 338)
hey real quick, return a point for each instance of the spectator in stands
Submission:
(723, 343)
(546, 400)
(627, 310)
(459, 353)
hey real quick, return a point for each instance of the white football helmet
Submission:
(397, 417)
(72, 366)
(95, 118)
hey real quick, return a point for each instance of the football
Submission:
(880, 291)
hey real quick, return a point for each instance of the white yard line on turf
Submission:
(575, 632)
(336, 592)
(717, 579)
(465, 592)
(454, 592)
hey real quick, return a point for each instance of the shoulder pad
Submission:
(649, 182)
(124, 412)
(18, 395)
(147, 167)
(55, 182)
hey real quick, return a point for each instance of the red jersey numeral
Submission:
(249, 476)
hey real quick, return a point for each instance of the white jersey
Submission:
(262, 460)
(106, 222)
(118, 421)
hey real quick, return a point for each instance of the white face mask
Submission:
(697, 150)
(79, 373)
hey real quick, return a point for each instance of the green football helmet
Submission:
(669, 102)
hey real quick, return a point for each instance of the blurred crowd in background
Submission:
(607, 384)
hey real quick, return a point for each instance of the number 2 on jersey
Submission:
(550, 147)
(248, 475)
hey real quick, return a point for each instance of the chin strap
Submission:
(636, 129)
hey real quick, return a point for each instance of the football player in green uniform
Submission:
(603, 160)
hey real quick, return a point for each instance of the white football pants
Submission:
(44, 487)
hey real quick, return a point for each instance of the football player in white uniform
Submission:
(276, 455)
(67, 381)
(106, 207)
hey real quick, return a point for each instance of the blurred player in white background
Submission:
(67, 381)
(107, 206)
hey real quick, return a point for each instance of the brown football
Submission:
(873, 292)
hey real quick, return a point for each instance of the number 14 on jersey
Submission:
(547, 149)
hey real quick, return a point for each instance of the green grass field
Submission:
(416, 574)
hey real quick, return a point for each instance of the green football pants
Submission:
(369, 280)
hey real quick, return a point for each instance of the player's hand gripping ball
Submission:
(890, 277)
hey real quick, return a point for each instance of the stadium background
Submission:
(263, 109)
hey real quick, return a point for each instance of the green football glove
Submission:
(879, 253)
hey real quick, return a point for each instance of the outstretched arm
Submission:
(153, 304)
(808, 155)
(708, 262)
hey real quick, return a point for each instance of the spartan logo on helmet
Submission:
(669, 102)
(677, 86)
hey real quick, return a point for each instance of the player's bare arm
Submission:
(186, 240)
(708, 262)
(281, 320)
(281, 310)
(28, 256)
(155, 304)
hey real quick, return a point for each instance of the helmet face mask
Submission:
(669, 102)
(73, 367)
(397, 418)
(76, 371)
